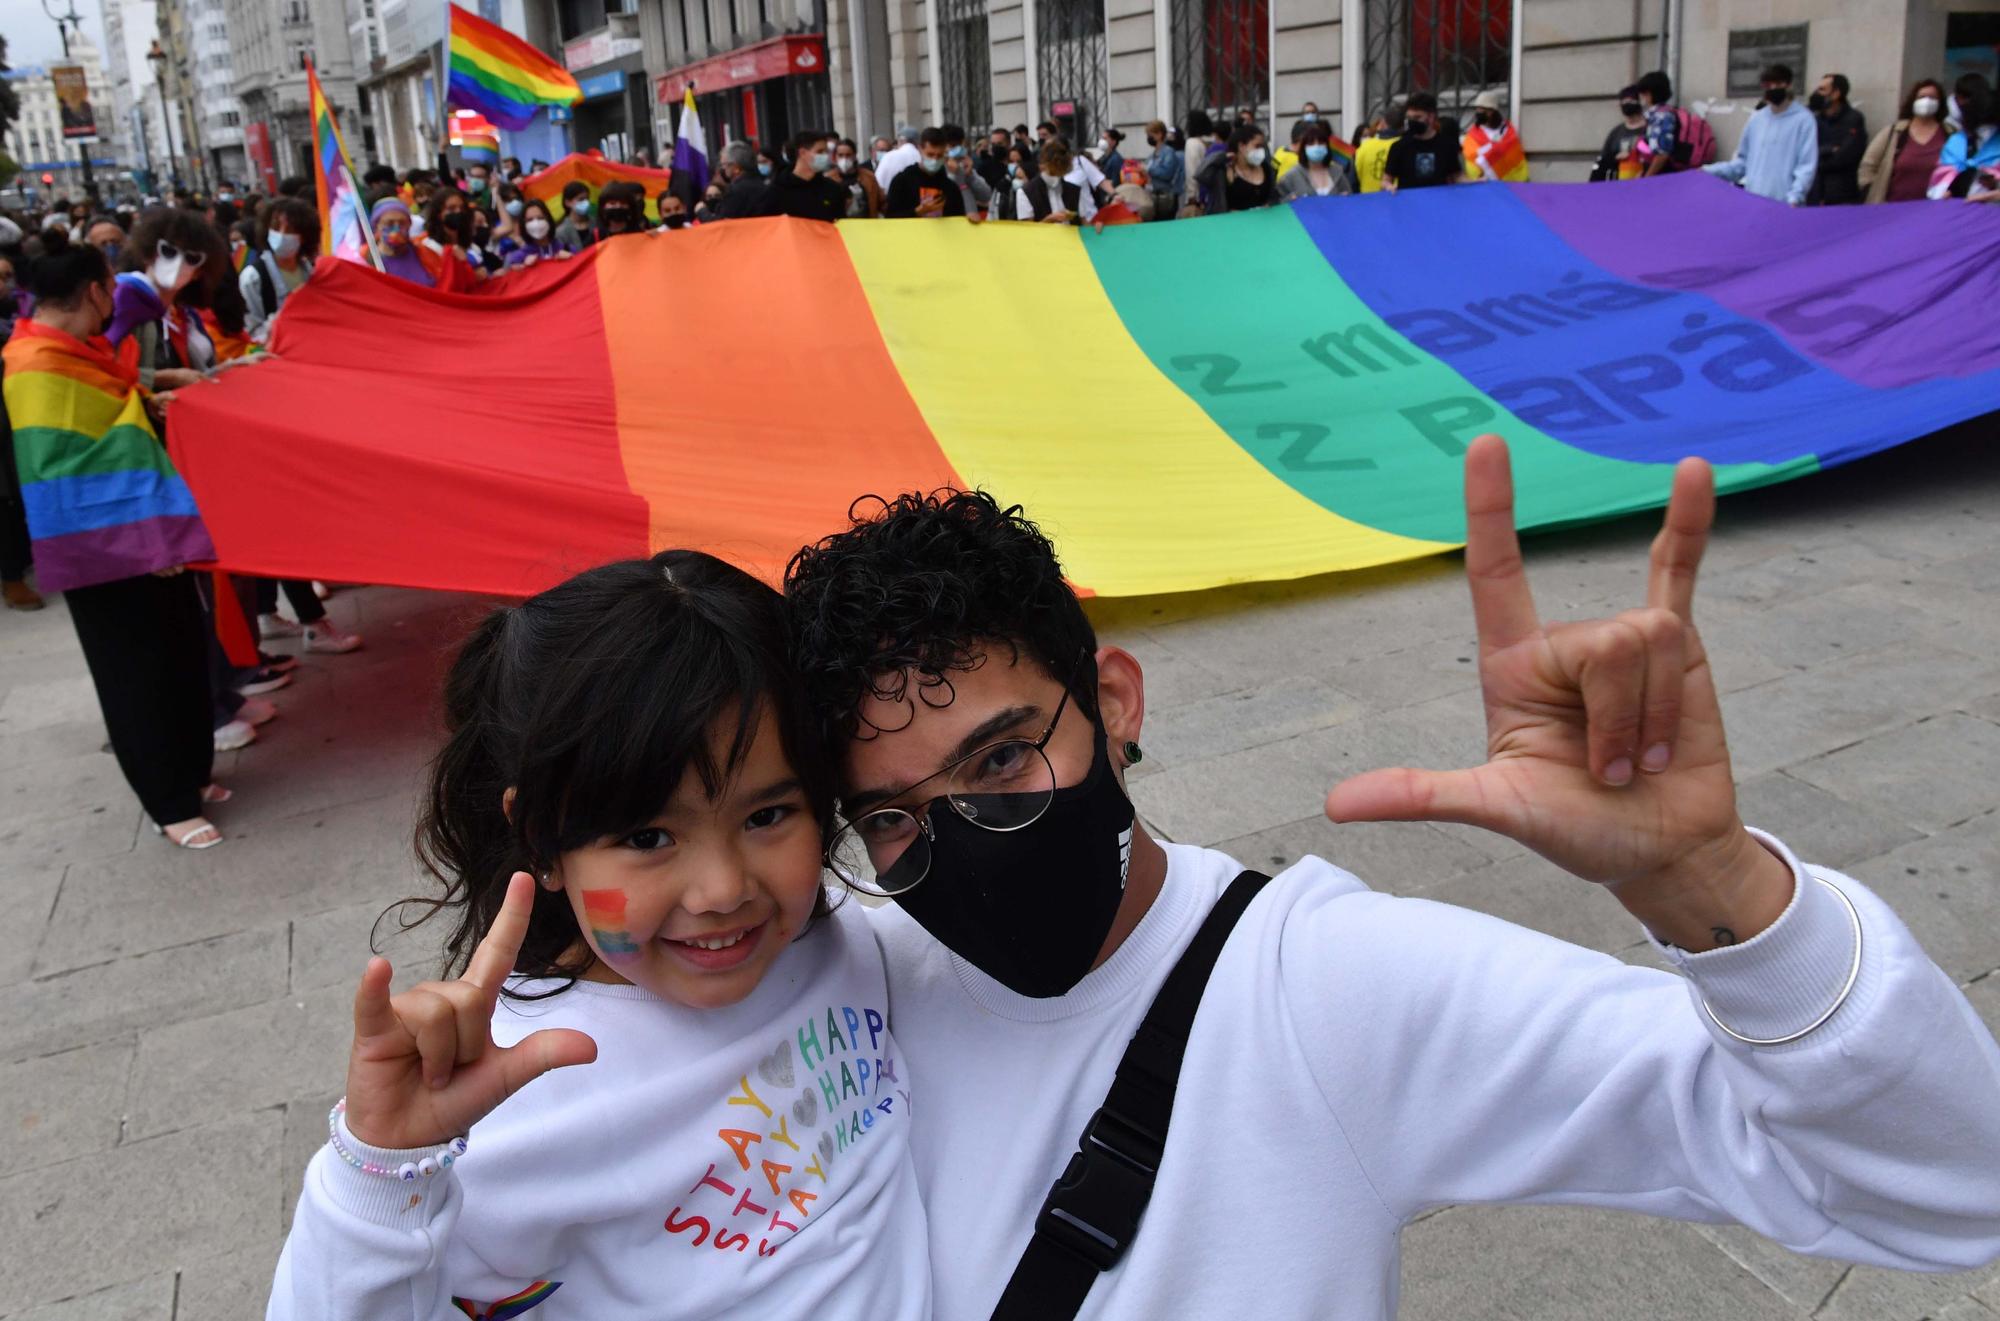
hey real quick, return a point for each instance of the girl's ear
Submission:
(507, 804)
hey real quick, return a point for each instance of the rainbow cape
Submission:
(1289, 404)
(1505, 154)
(501, 76)
(102, 498)
(546, 186)
(344, 230)
(478, 142)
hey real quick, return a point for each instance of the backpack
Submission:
(1694, 140)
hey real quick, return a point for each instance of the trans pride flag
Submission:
(103, 499)
(344, 231)
(501, 76)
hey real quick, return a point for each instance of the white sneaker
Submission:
(277, 626)
(236, 734)
(256, 711)
(322, 590)
(324, 639)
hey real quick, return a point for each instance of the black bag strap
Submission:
(267, 287)
(1092, 1213)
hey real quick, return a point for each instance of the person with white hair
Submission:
(900, 157)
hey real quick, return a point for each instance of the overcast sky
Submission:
(31, 36)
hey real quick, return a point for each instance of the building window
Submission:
(577, 17)
(968, 69)
(1222, 55)
(1453, 48)
(296, 12)
(1069, 39)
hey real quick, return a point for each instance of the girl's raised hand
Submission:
(424, 1067)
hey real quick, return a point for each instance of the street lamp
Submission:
(158, 59)
(63, 24)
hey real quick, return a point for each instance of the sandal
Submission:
(216, 793)
(201, 834)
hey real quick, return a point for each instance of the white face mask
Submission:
(285, 245)
(169, 274)
(538, 228)
(1254, 156)
(1925, 107)
(1053, 181)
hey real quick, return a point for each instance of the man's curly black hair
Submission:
(929, 583)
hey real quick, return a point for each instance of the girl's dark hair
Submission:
(434, 211)
(1977, 105)
(591, 702)
(1318, 131)
(301, 218)
(929, 584)
(1242, 136)
(190, 232)
(1909, 107)
(535, 204)
(64, 270)
(1199, 125)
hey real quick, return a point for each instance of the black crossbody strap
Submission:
(1093, 1211)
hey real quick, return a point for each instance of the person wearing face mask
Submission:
(173, 259)
(1619, 158)
(447, 241)
(1052, 196)
(1109, 157)
(976, 193)
(505, 215)
(991, 159)
(1969, 165)
(1492, 146)
(857, 180)
(1371, 154)
(1166, 172)
(108, 237)
(1901, 158)
(673, 211)
(923, 190)
(575, 232)
(82, 427)
(390, 218)
(1020, 167)
(903, 155)
(1843, 140)
(804, 191)
(1778, 154)
(537, 240)
(1319, 172)
(1241, 178)
(621, 210)
(743, 187)
(1427, 154)
(291, 242)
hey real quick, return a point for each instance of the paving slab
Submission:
(57, 1107)
(1946, 889)
(1820, 827)
(150, 1299)
(1932, 774)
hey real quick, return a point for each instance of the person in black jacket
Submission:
(743, 194)
(922, 190)
(1843, 140)
(804, 190)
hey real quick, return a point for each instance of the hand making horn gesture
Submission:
(424, 1067)
(1604, 744)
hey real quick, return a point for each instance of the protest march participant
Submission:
(1619, 157)
(1900, 160)
(625, 824)
(1357, 1058)
(1241, 178)
(1371, 154)
(390, 218)
(922, 190)
(804, 190)
(273, 273)
(1778, 154)
(1318, 173)
(1492, 146)
(1051, 197)
(575, 233)
(537, 240)
(81, 426)
(1426, 155)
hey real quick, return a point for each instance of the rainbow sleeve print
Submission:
(1292, 404)
(501, 76)
(102, 498)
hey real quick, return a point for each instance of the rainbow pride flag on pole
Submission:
(103, 499)
(478, 142)
(1289, 404)
(499, 75)
(344, 230)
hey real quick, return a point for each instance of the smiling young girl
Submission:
(627, 819)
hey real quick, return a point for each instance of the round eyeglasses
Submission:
(1001, 787)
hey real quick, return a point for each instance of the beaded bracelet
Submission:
(410, 1170)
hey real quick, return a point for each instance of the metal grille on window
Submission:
(1069, 43)
(1455, 49)
(1221, 56)
(967, 61)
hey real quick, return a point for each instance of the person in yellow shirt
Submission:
(1372, 152)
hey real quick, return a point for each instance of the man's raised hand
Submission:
(424, 1067)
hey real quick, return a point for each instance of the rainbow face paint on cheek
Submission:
(605, 911)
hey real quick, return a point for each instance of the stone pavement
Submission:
(178, 1021)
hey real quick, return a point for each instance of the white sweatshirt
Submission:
(751, 1161)
(1360, 1057)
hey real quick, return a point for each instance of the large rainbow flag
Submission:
(1295, 399)
(546, 186)
(102, 498)
(501, 76)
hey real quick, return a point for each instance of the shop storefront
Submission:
(613, 116)
(761, 93)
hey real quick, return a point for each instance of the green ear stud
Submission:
(1133, 756)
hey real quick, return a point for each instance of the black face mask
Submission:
(1414, 127)
(674, 221)
(1488, 119)
(1630, 109)
(615, 221)
(1816, 102)
(1031, 908)
(1778, 95)
(457, 224)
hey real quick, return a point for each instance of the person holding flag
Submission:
(1492, 146)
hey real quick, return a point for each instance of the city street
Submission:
(180, 1020)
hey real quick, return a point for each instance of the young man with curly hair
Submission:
(1357, 1057)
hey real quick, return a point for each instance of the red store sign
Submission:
(776, 58)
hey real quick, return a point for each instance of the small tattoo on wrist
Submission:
(1722, 935)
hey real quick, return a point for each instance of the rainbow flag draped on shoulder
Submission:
(501, 76)
(102, 498)
(1495, 156)
(344, 231)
